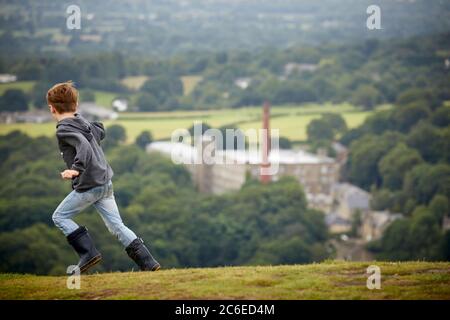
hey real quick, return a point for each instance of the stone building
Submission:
(317, 174)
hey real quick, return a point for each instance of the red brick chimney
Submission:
(265, 178)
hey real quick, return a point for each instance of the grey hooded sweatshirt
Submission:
(79, 143)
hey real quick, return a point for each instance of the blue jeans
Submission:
(102, 197)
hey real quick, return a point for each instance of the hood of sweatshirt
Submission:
(76, 124)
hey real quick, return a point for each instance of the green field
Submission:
(134, 82)
(290, 120)
(25, 86)
(329, 280)
(189, 83)
(102, 98)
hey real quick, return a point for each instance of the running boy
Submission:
(79, 143)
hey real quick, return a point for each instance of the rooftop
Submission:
(94, 110)
(188, 154)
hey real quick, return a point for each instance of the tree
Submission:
(396, 163)
(428, 140)
(417, 95)
(13, 100)
(446, 246)
(294, 92)
(147, 102)
(406, 116)
(38, 94)
(366, 96)
(440, 207)
(326, 127)
(416, 238)
(424, 181)
(285, 143)
(364, 155)
(441, 117)
(19, 253)
(325, 89)
(29, 71)
(379, 122)
(336, 122)
(87, 96)
(143, 139)
(318, 130)
(382, 199)
(60, 71)
(163, 87)
(115, 135)
(395, 243)
(426, 235)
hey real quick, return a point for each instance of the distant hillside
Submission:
(330, 280)
(170, 27)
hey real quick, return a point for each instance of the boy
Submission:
(79, 143)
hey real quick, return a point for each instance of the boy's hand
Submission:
(69, 174)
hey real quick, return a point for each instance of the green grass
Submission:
(25, 86)
(189, 83)
(102, 98)
(329, 280)
(134, 82)
(290, 120)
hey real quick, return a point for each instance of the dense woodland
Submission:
(258, 225)
(402, 156)
(366, 74)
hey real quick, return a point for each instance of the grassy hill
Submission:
(329, 280)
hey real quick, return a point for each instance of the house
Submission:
(341, 152)
(375, 222)
(120, 105)
(8, 117)
(337, 224)
(349, 199)
(93, 112)
(317, 174)
(293, 67)
(446, 223)
(346, 200)
(91, 38)
(35, 116)
(243, 83)
(6, 78)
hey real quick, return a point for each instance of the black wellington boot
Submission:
(81, 241)
(140, 254)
